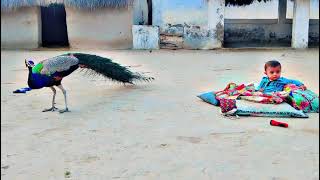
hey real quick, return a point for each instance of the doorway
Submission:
(54, 26)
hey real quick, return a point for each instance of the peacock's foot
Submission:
(64, 110)
(50, 109)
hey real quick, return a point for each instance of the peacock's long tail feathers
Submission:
(107, 68)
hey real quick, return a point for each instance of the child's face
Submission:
(273, 73)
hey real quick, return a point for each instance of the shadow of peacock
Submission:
(50, 72)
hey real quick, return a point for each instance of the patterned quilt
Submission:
(300, 99)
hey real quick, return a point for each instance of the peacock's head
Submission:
(29, 63)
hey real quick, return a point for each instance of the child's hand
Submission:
(303, 87)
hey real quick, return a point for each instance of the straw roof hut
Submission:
(90, 23)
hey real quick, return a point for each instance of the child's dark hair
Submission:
(272, 63)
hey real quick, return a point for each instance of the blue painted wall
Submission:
(191, 12)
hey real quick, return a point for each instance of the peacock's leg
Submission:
(53, 108)
(65, 99)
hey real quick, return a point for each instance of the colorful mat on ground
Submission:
(247, 108)
(235, 100)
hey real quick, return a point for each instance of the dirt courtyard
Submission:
(157, 130)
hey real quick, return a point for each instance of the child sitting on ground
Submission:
(273, 82)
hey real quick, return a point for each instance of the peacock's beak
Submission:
(29, 64)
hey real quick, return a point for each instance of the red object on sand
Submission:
(276, 123)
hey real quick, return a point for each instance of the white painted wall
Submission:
(145, 37)
(104, 28)
(21, 28)
(195, 12)
(216, 10)
(300, 24)
(256, 10)
(201, 21)
(314, 9)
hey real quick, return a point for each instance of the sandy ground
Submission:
(159, 130)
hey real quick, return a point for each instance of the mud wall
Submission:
(21, 28)
(104, 28)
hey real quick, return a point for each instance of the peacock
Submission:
(50, 72)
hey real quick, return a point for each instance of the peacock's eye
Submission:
(30, 63)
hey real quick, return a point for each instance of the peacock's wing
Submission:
(55, 64)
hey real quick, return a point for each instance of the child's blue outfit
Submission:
(277, 85)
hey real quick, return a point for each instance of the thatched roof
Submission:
(8, 5)
(94, 4)
(242, 2)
